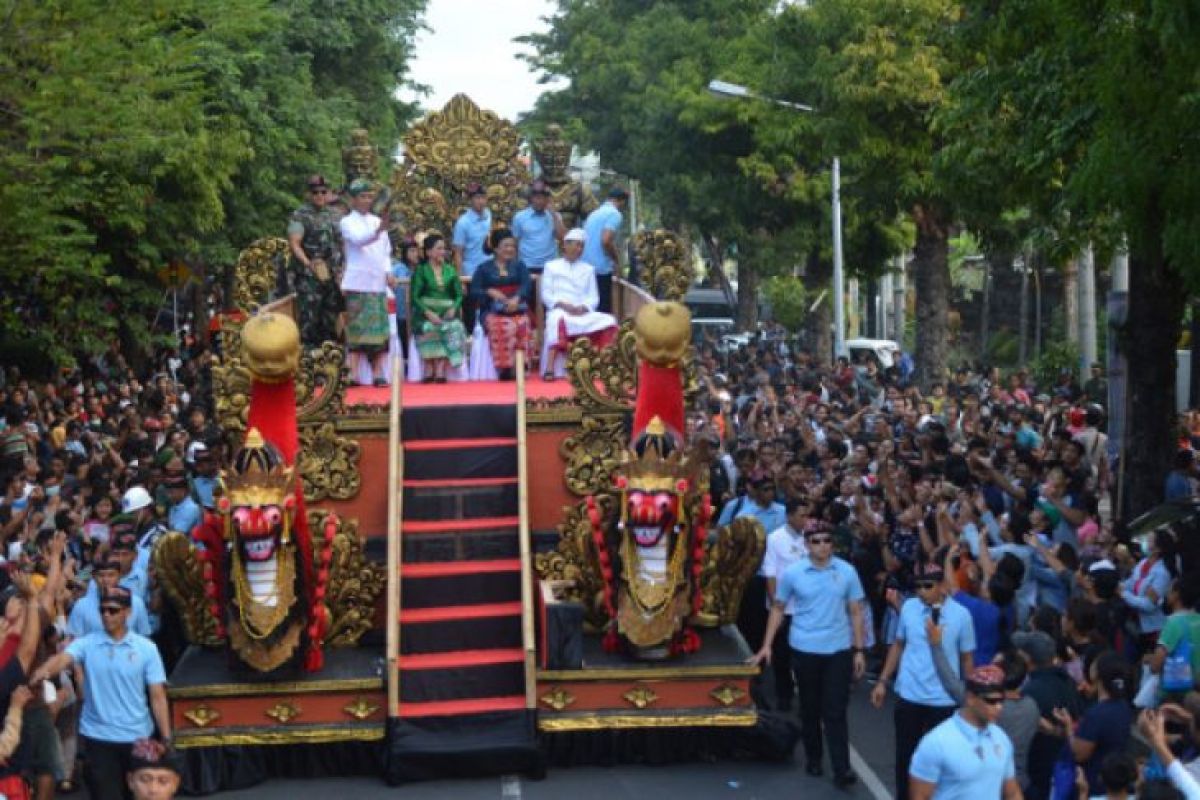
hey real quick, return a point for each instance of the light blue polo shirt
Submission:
(534, 230)
(818, 595)
(917, 679)
(470, 232)
(772, 516)
(184, 516)
(116, 707)
(85, 617)
(604, 218)
(964, 762)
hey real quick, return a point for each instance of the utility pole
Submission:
(1087, 309)
(1022, 265)
(839, 300)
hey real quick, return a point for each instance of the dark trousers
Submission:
(824, 682)
(604, 286)
(913, 721)
(104, 768)
(781, 665)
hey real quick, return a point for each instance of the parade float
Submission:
(471, 578)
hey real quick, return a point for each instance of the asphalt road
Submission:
(871, 738)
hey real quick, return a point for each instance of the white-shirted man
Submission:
(570, 297)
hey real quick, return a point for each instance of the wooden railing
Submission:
(395, 506)
(628, 298)
(528, 637)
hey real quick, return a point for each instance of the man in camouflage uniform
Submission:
(315, 266)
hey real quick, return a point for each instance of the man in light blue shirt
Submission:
(601, 248)
(826, 638)
(124, 694)
(758, 502)
(969, 756)
(184, 513)
(922, 703)
(85, 614)
(471, 231)
(538, 229)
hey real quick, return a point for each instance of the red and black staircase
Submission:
(461, 707)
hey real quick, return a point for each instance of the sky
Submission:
(469, 48)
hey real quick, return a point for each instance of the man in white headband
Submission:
(570, 297)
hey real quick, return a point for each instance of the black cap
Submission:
(618, 193)
(317, 182)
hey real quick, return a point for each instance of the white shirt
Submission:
(785, 547)
(368, 253)
(567, 282)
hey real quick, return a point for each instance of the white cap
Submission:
(135, 499)
(1102, 565)
(575, 235)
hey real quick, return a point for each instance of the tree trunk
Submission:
(1150, 335)
(747, 295)
(985, 311)
(931, 280)
(1023, 322)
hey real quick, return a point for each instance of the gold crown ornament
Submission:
(663, 332)
(260, 476)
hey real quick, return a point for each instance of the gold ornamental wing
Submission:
(729, 562)
(182, 576)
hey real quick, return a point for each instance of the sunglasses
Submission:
(993, 699)
(820, 540)
(109, 610)
(318, 191)
(925, 585)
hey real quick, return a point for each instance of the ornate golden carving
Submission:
(589, 721)
(354, 583)
(328, 463)
(727, 694)
(665, 264)
(361, 708)
(283, 712)
(729, 562)
(574, 560)
(182, 575)
(321, 734)
(572, 199)
(593, 453)
(449, 149)
(254, 274)
(231, 390)
(640, 697)
(605, 380)
(265, 659)
(359, 159)
(202, 715)
(558, 699)
(321, 383)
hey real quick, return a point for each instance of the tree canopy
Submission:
(137, 133)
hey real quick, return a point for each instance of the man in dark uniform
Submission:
(315, 266)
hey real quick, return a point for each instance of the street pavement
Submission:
(870, 734)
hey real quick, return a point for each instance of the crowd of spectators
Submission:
(94, 466)
(990, 493)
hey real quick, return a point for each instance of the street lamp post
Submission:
(726, 90)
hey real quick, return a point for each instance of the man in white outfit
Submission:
(570, 297)
(364, 284)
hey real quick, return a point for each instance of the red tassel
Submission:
(611, 641)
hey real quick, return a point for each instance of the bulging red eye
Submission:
(242, 516)
(273, 515)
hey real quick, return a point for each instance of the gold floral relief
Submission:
(355, 583)
(328, 463)
(574, 560)
(447, 151)
(182, 576)
(321, 383)
(605, 380)
(255, 271)
(594, 453)
(665, 263)
(730, 560)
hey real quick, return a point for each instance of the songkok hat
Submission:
(575, 235)
(152, 754)
(317, 182)
(358, 187)
(986, 678)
